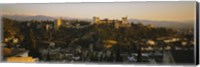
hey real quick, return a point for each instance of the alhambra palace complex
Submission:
(117, 23)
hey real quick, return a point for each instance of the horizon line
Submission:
(56, 17)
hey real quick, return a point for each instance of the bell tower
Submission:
(124, 20)
(58, 23)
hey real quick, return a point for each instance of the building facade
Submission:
(58, 23)
(117, 23)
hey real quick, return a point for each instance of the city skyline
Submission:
(159, 11)
(125, 32)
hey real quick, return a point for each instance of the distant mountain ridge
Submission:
(28, 18)
(168, 24)
(38, 17)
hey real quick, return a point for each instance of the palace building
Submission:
(117, 23)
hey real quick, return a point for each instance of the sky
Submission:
(160, 11)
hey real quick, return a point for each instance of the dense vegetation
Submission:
(32, 37)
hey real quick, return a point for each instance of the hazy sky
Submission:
(162, 11)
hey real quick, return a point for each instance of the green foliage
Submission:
(10, 27)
